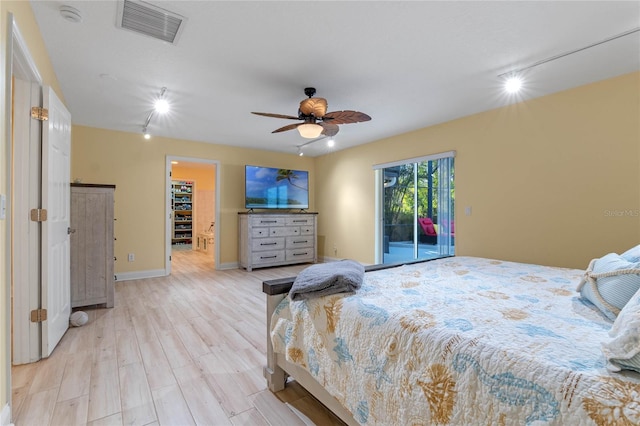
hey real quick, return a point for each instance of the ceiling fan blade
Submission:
(285, 128)
(268, 114)
(329, 129)
(345, 117)
(314, 106)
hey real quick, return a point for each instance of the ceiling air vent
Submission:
(148, 19)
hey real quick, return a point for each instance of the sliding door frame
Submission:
(379, 202)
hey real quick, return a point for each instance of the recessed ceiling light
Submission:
(331, 143)
(513, 84)
(70, 13)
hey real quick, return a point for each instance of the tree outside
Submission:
(400, 195)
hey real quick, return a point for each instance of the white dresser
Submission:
(272, 239)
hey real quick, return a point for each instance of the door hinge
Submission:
(38, 315)
(38, 215)
(40, 113)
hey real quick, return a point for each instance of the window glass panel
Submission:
(418, 210)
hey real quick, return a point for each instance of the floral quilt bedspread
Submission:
(461, 341)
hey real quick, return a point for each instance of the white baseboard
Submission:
(138, 275)
(5, 417)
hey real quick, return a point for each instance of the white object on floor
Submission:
(5, 416)
(78, 318)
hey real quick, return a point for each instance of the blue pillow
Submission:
(609, 283)
(623, 350)
(632, 255)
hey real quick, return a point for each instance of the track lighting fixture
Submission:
(161, 106)
(330, 144)
(513, 84)
(513, 79)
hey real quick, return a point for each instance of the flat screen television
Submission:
(273, 188)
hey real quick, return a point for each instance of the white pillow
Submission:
(609, 283)
(632, 255)
(623, 350)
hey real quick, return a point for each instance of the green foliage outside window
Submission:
(399, 198)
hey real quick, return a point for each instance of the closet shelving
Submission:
(182, 205)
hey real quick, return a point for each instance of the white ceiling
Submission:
(407, 64)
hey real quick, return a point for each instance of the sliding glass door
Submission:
(417, 208)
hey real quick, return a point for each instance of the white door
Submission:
(56, 150)
(26, 194)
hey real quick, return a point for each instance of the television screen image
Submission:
(273, 188)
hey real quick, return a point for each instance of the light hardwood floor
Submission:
(179, 350)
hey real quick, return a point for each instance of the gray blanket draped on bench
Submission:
(327, 278)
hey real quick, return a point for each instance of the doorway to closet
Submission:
(192, 212)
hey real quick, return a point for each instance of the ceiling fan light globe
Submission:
(309, 130)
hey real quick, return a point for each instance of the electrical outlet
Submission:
(131, 257)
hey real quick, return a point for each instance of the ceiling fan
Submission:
(316, 120)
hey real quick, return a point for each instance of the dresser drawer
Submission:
(301, 241)
(262, 244)
(303, 254)
(259, 232)
(307, 230)
(285, 231)
(263, 257)
(267, 221)
(298, 221)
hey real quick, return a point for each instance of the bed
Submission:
(460, 341)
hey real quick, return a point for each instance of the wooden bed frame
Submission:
(278, 368)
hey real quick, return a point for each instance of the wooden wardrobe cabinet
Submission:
(92, 240)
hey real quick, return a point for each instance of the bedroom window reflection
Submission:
(417, 209)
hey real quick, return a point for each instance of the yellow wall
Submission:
(137, 167)
(25, 20)
(204, 178)
(543, 178)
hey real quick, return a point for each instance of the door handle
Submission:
(70, 231)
